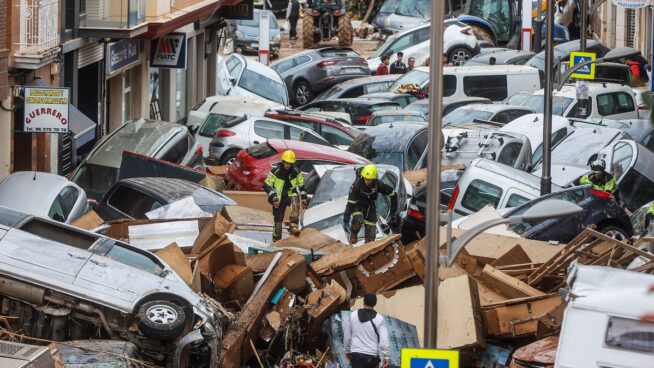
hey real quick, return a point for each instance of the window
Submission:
(234, 66)
(449, 85)
(212, 123)
(261, 151)
(134, 259)
(622, 157)
(492, 87)
(336, 136)
(556, 138)
(636, 190)
(375, 87)
(480, 194)
(401, 44)
(304, 165)
(304, 124)
(284, 65)
(516, 200)
(132, 202)
(269, 129)
(625, 102)
(649, 141)
(263, 86)
(415, 150)
(630, 334)
(63, 204)
(421, 35)
(313, 138)
(615, 103)
(581, 111)
(575, 196)
(302, 59)
(177, 152)
(502, 117)
(353, 92)
(335, 107)
(383, 202)
(414, 8)
(59, 234)
(509, 154)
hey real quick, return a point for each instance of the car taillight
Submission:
(198, 151)
(414, 212)
(323, 64)
(455, 194)
(643, 107)
(222, 133)
(466, 31)
(601, 194)
(315, 13)
(363, 119)
(337, 13)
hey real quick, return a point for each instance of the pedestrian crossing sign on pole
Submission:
(585, 72)
(429, 358)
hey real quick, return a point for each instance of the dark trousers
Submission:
(358, 360)
(293, 24)
(366, 217)
(278, 215)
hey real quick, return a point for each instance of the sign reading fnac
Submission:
(46, 110)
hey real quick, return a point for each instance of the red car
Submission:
(253, 164)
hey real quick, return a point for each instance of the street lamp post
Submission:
(546, 178)
(547, 209)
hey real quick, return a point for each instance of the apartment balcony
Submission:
(146, 19)
(38, 36)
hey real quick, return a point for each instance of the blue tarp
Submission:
(400, 335)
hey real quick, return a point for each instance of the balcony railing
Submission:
(39, 26)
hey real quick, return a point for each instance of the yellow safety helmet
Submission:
(369, 172)
(289, 156)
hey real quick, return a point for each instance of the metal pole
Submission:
(434, 174)
(584, 25)
(546, 178)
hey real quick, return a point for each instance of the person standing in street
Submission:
(398, 67)
(382, 69)
(292, 15)
(285, 186)
(564, 12)
(366, 336)
(412, 64)
(362, 205)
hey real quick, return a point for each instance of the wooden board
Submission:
(89, 221)
(176, 259)
(211, 232)
(312, 239)
(459, 316)
(506, 285)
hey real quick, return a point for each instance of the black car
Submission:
(401, 145)
(403, 99)
(311, 72)
(502, 57)
(133, 198)
(563, 51)
(359, 86)
(359, 109)
(599, 209)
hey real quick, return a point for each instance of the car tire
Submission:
(345, 32)
(228, 157)
(302, 93)
(614, 232)
(308, 29)
(161, 320)
(459, 56)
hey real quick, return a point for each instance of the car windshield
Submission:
(95, 179)
(385, 106)
(334, 184)
(465, 116)
(415, 76)
(536, 102)
(414, 8)
(212, 123)
(574, 196)
(263, 86)
(389, 158)
(329, 222)
(393, 118)
(495, 11)
(389, 6)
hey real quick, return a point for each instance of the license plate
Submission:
(350, 70)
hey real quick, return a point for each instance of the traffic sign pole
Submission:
(264, 37)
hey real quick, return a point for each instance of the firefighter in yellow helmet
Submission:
(285, 186)
(362, 204)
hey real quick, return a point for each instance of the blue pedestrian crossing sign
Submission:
(429, 358)
(585, 72)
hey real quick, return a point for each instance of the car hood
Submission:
(563, 175)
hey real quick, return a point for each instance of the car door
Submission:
(266, 129)
(65, 202)
(229, 76)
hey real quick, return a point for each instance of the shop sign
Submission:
(121, 54)
(46, 110)
(243, 10)
(169, 51)
(631, 4)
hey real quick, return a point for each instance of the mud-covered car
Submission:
(62, 283)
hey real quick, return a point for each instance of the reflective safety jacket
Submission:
(603, 181)
(282, 183)
(362, 199)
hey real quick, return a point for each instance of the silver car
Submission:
(244, 132)
(76, 284)
(43, 194)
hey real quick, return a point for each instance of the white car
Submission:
(238, 76)
(607, 101)
(209, 115)
(328, 218)
(460, 44)
(43, 194)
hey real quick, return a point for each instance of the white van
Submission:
(488, 182)
(495, 82)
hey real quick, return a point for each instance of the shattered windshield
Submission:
(465, 116)
(334, 184)
(212, 123)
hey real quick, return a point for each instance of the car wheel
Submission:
(459, 56)
(615, 232)
(161, 320)
(303, 94)
(228, 158)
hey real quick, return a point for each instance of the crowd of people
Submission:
(398, 66)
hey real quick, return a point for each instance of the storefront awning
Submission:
(81, 126)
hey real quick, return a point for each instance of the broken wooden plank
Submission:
(459, 316)
(312, 239)
(518, 317)
(211, 232)
(514, 256)
(506, 285)
(351, 256)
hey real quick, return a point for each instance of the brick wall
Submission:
(4, 53)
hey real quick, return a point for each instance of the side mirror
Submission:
(232, 81)
(193, 129)
(92, 203)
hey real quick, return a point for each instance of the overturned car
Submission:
(61, 283)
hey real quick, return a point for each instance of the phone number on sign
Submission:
(46, 130)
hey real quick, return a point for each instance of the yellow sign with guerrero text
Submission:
(46, 110)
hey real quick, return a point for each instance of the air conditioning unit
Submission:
(15, 355)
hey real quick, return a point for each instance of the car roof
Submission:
(487, 69)
(171, 189)
(109, 152)
(32, 192)
(519, 176)
(367, 80)
(260, 68)
(360, 101)
(314, 116)
(503, 55)
(570, 90)
(314, 150)
(385, 95)
(389, 136)
(494, 108)
(531, 126)
(396, 113)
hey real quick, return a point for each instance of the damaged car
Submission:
(62, 283)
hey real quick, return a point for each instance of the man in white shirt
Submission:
(564, 12)
(366, 337)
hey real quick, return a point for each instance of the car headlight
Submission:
(276, 39)
(239, 34)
